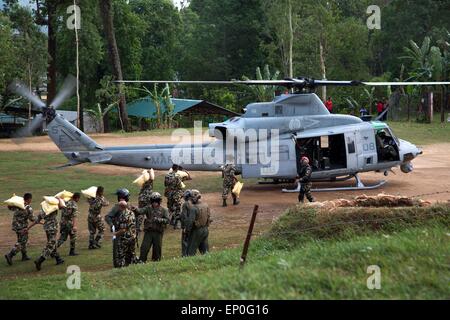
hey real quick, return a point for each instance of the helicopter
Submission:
(266, 142)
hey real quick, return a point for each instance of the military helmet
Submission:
(155, 197)
(195, 194)
(187, 195)
(123, 194)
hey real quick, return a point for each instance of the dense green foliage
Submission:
(222, 40)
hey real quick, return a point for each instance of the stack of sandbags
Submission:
(144, 177)
(382, 200)
(90, 193)
(15, 201)
(51, 204)
(386, 200)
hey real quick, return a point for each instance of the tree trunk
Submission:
(444, 103)
(291, 41)
(51, 69)
(323, 68)
(106, 12)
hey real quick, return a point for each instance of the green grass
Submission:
(288, 263)
(422, 133)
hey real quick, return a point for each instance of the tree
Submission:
(106, 12)
(263, 93)
(99, 115)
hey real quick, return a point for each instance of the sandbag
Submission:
(237, 188)
(183, 175)
(16, 201)
(51, 204)
(90, 193)
(144, 177)
(65, 195)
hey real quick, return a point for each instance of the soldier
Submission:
(304, 179)
(143, 201)
(112, 219)
(51, 229)
(156, 218)
(174, 193)
(185, 209)
(198, 223)
(19, 226)
(229, 180)
(69, 223)
(125, 235)
(95, 220)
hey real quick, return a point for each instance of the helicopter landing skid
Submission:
(359, 186)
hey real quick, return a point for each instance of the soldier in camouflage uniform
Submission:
(143, 201)
(197, 226)
(51, 230)
(229, 180)
(19, 226)
(304, 179)
(185, 209)
(174, 193)
(68, 224)
(95, 220)
(112, 219)
(156, 218)
(126, 235)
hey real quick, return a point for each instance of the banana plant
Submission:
(263, 93)
(98, 114)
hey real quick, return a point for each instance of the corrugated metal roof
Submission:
(7, 119)
(145, 108)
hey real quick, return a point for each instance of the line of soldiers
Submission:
(193, 215)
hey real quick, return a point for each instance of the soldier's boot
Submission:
(224, 204)
(9, 258)
(311, 199)
(301, 198)
(38, 263)
(25, 257)
(72, 252)
(235, 201)
(97, 243)
(92, 245)
(58, 259)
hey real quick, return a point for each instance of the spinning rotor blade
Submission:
(20, 89)
(65, 92)
(30, 128)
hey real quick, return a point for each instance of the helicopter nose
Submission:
(409, 151)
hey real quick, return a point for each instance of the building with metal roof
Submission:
(145, 108)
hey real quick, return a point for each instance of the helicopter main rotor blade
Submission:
(65, 92)
(29, 129)
(174, 82)
(22, 90)
(417, 83)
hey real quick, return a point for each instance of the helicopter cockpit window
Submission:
(387, 145)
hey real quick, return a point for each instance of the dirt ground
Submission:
(431, 175)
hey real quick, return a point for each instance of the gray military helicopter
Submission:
(266, 142)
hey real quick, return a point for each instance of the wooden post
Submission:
(249, 235)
